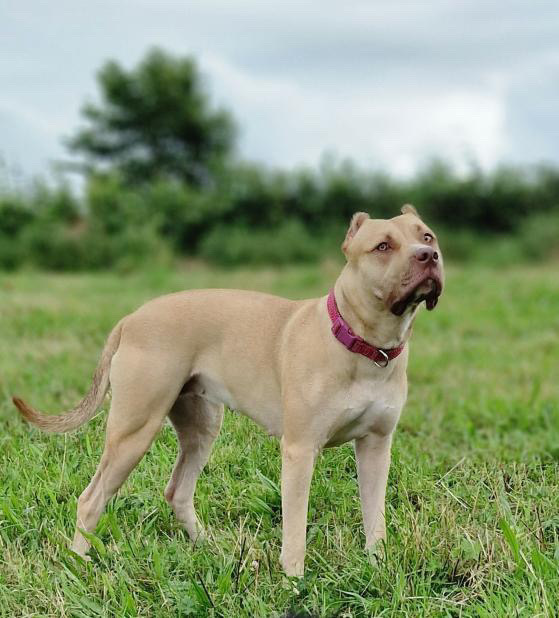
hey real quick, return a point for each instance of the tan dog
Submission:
(185, 355)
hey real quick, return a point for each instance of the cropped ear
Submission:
(409, 209)
(356, 222)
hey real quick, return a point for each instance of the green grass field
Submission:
(472, 505)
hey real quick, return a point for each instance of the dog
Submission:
(314, 373)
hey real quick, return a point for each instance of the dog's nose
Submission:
(426, 254)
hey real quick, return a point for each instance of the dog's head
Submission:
(396, 262)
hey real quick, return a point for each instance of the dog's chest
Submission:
(365, 407)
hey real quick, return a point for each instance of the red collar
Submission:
(354, 343)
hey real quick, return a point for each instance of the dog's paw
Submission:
(292, 568)
(200, 537)
(85, 557)
(80, 546)
(376, 550)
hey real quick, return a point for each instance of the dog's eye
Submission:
(384, 246)
(428, 237)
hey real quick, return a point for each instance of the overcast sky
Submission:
(387, 83)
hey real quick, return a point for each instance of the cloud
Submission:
(289, 124)
(387, 83)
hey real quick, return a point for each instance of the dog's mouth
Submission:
(427, 287)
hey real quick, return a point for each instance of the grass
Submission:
(472, 505)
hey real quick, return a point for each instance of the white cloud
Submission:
(288, 123)
(386, 82)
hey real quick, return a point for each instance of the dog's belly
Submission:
(262, 412)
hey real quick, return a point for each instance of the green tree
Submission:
(154, 121)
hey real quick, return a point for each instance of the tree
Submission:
(154, 121)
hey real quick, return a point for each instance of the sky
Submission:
(389, 84)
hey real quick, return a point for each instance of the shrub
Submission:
(139, 246)
(113, 207)
(57, 204)
(231, 246)
(49, 245)
(539, 236)
(182, 215)
(250, 214)
(15, 215)
(11, 253)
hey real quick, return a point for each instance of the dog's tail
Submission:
(87, 407)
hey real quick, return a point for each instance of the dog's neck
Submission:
(370, 318)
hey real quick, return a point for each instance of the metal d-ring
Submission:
(384, 361)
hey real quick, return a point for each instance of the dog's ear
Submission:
(356, 222)
(409, 209)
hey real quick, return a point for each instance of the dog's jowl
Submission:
(314, 373)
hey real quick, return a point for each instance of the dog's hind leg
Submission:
(142, 397)
(197, 423)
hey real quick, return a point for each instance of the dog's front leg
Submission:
(373, 463)
(296, 474)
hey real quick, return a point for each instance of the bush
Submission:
(11, 253)
(56, 204)
(183, 215)
(15, 215)
(254, 215)
(54, 247)
(539, 236)
(139, 246)
(113, 207)
(231, 246)
(536, 240)
(49, 245)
